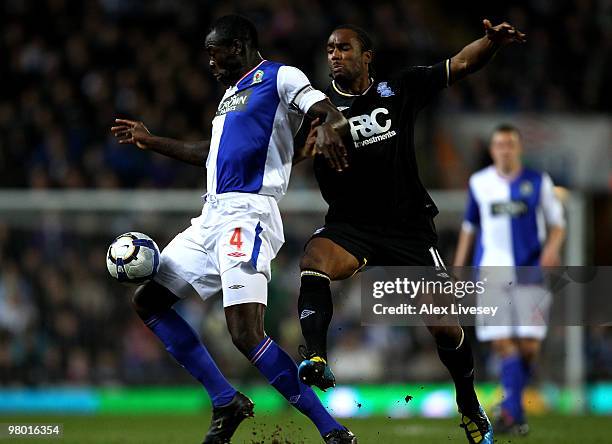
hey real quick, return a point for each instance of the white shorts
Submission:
(523, 313)
(236, 231)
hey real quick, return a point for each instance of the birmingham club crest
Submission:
(384, 90)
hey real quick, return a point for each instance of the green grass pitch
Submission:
(290, 428)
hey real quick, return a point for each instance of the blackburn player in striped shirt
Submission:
(230, 246)
(512, 219)
(379, 211)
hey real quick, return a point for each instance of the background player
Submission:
(508, 212)
(230, 246)
(379, 212)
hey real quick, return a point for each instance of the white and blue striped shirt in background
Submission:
(510, 216)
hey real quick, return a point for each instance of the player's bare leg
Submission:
(246, 325)
(153, 303)
(322, 262)
(529, 348)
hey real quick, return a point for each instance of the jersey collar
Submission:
(249, 72)
(339, 91)
(511, 178)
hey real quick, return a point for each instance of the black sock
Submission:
(460, 364)
(315, 309)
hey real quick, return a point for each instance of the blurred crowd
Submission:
(70, 67)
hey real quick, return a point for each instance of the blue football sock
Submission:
(185, 346)
(527, 371)
(282, 373)
(513, 380)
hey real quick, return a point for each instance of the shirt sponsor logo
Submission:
(237, 102)
(514, 208)
(374, 127)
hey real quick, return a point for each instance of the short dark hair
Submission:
(364, 39)
(507, 128)
(236, 27)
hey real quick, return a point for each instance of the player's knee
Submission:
(139, 299)
(529, 350)
(312, 260)
(504, 347)
(446, 336)
(151, 299)
(245, 323)
(246, 338)
(333, 266)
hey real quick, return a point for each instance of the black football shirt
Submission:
(381, 186)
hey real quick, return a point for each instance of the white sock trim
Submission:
(314, 273)
(462, 338)
(460, 342)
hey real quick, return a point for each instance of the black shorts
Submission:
(379, 245)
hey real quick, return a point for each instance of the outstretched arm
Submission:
(478, 53)
(129, 131)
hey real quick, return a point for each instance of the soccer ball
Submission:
(133, 258)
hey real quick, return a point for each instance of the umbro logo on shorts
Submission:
(306, 313)
(236, 254)
(236, 287)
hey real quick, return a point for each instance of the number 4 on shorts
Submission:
(236, 239)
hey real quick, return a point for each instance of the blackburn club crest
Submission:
(384, 90)
(258, 76)
(526, 188)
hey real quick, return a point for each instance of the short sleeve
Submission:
(426, 81)
(295, 90)
(471, 218)
(551, 205)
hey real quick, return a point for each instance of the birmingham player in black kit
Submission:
(379, 211)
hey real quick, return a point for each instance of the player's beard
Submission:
(340, 77)
(344, 79)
